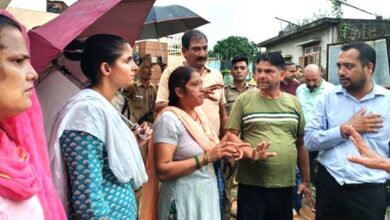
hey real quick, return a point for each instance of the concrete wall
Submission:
(36, 5)
(326, 36)
(155, 49)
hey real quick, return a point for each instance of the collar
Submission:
(139, 84)
(232, 86)
(376, 91)
(206, 68)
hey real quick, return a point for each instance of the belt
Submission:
(363, 186)
(353, 186)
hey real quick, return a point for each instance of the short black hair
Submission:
(237, 59)
(189, 35)
(367, 53)
(273, 57)
(289, 63)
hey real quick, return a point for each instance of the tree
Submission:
(235, 46)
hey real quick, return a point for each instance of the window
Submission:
(311, 55)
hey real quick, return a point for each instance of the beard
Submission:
(357, 84)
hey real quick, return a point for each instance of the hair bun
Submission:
(74, 50)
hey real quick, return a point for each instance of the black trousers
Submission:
(350, 201)
(259, 203)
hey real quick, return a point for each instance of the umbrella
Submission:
(168, 20)
(85, 18)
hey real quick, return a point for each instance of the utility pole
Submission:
(359, 9)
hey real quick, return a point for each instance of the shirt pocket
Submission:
(137, 101)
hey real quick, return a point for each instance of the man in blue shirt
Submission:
(346, 190)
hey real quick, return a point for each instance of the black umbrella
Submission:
(168, 20)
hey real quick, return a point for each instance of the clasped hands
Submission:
(232, 147)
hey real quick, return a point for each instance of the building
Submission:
(308, 43)
(158, 50)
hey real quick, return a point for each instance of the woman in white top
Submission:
(186, 147)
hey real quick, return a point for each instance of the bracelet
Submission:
(197, 162)
(206, 159)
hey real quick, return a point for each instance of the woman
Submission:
(186, 147)
(100, 153)
(26, 188)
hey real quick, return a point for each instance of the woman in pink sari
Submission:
(26, 188)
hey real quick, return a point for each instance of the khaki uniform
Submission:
(231, 94)
(141, 99)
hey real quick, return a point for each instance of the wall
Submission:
(36, 5)
(153, 48)
(289, 47)
(358, 30)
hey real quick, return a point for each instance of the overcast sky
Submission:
(255, 19)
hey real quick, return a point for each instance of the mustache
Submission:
(344, 78)
(201, 58)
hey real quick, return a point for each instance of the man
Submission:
(265, 188)
(347, 190)
(194, 49)
(289, 84)
(156, 74)
(308, 94)
(142, 95)
(300, 74)
(239, 85)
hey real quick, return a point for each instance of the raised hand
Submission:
(209, 91)
(369, 157)
(222, 150)
(260, 152)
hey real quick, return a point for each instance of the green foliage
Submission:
(211, 54)
(336, 8)
(235, 46)
(316, 15)
(345, 30)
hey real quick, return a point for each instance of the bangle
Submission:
(197, 162)
(206, 159)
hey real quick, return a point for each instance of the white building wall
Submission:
(289, 47)
(36, 5)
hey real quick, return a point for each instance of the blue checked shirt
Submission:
(322, 134)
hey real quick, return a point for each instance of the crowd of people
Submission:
(133, 145)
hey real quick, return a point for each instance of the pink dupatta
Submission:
(26, 130)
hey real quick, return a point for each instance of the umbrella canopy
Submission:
(85, 18)
(168, 20)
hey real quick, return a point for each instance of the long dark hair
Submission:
(94, 51)
(178, 79)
